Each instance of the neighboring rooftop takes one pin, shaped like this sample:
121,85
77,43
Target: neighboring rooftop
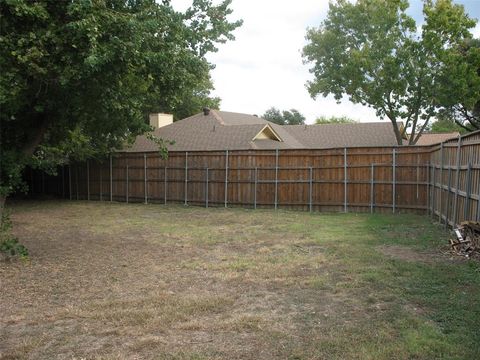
222,130
343,135
436,138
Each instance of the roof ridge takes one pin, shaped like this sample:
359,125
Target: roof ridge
256,124
217,116
352,124
439,132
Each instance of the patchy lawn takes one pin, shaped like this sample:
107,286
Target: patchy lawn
116,281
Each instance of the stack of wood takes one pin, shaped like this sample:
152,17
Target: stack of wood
467,242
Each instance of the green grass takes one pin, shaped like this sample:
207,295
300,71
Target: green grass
115,281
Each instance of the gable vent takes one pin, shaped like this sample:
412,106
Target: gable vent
267,133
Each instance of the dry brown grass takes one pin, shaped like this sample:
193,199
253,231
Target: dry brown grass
117,281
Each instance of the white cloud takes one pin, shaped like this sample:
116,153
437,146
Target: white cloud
263,66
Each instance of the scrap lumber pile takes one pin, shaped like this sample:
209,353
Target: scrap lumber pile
467,242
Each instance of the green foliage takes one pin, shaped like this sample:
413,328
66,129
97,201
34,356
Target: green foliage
460,91
286,117
370,51
274,115
161,143
446,125
9,245
11,166
334,120
79,78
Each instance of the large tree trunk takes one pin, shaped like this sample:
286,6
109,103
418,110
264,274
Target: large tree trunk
413,141
31,145
28,150
396,130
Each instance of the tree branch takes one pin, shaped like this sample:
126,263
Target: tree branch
420,132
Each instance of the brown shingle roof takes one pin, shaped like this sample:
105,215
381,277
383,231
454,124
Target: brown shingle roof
221,130
436,138
344,135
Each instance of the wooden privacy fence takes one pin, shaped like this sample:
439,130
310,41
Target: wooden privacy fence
349,179
455,174
442,180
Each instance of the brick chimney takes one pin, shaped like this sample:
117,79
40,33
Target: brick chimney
160,120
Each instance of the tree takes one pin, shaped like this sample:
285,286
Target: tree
371,52
334,120
285,117
460,92
79,78
445,125
274,115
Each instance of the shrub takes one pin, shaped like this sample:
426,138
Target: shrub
9,245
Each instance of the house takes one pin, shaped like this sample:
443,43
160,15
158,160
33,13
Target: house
436,138
222,130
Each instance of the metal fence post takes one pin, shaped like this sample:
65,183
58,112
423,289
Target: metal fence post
226,178
145,183
88,180
186,179
255,189
418,177
345,179
206,188
111,179
433,190
276,179
477,215
466,211
448,195
372,187
126,185
457,180
394,175
429,195
310,190
440,200
165,185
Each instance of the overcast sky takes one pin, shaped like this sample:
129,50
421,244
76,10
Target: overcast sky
263,66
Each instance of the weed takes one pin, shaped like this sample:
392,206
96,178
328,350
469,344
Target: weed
9,245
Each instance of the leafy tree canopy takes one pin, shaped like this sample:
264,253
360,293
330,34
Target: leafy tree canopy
371,52
334,120
445,125
460,93
80,77
285,117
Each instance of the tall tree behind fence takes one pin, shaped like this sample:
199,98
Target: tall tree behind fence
350,179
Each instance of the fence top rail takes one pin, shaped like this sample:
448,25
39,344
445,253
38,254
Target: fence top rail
272,168
401,149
